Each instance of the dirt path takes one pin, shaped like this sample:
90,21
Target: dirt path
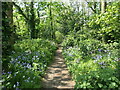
57,74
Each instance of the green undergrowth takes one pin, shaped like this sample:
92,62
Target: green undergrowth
93,64
59,37
28,63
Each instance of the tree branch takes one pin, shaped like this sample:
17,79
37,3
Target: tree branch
20,11
91,7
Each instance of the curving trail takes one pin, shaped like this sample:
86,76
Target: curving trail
57,74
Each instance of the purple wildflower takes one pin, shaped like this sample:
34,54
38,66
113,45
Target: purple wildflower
9,72
18,84
99,50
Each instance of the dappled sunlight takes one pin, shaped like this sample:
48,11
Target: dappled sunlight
57,74
71,44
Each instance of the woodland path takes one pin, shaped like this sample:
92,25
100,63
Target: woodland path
57,74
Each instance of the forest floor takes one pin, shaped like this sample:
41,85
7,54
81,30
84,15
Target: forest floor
57,75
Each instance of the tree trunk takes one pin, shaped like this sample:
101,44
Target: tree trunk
7,33
51,21
32,21
8,25
103,6
0,43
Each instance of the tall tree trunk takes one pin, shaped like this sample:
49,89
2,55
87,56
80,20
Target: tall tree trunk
103,6
0,43
51,21
7,23
7,32
28,16
32,21
38,10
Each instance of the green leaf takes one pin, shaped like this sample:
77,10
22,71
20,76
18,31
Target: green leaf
113,83
114,78
100,85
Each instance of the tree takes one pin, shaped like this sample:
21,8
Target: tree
51,19
103,6
29,18
95,6
8,32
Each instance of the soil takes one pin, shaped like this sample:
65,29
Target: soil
57,74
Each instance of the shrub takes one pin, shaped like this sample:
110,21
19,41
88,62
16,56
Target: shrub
28,63
106,26
93,64
59,37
